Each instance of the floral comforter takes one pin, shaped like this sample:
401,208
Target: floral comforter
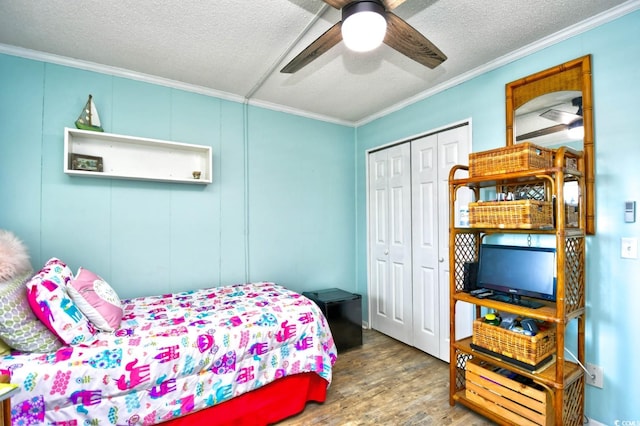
174,354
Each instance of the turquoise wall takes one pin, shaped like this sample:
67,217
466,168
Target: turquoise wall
613,293
280,206
301,183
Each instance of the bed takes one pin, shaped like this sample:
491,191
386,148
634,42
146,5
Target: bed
241,354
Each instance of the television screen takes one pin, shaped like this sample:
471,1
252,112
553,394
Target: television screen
518,271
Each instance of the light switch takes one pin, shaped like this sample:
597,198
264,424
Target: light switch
629,211
629,248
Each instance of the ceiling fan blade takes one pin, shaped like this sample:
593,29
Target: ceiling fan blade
560,116
326,41
338,4
392,4
542,132
407,40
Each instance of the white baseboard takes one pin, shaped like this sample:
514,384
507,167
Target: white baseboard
594,423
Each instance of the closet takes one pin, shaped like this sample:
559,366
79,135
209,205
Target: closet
408,228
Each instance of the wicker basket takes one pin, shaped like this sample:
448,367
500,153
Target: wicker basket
519,214
514,158
527,349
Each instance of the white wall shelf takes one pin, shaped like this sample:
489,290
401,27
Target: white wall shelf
129,157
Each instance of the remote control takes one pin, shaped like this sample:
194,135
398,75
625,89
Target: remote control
478,291
484,295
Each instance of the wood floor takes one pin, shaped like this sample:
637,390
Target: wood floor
386,382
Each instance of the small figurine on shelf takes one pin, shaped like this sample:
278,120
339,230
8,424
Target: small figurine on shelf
89,119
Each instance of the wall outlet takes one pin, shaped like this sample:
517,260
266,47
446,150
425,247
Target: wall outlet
598,373
629,248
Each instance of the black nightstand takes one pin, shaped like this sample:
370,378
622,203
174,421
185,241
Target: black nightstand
343,311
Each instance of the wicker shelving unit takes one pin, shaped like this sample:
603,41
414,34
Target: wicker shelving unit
563,381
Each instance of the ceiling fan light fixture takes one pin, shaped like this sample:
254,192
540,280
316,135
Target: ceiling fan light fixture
363,25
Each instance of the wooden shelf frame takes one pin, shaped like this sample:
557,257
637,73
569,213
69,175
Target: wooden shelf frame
564,379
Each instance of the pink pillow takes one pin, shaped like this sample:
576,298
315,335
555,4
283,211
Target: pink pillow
48,298
96,299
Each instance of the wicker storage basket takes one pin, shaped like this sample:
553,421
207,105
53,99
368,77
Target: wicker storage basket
514,158
519,214
528,349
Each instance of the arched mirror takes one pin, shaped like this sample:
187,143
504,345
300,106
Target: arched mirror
554,107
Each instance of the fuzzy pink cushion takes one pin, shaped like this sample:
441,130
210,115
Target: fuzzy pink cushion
96,299
14,257
47,295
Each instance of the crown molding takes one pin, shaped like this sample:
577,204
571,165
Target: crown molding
148,78
581,27
298,112
115,71
600,19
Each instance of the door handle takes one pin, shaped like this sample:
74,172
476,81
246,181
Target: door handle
441,260
386,252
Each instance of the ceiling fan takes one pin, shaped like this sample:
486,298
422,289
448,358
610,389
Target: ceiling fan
393,31
567,120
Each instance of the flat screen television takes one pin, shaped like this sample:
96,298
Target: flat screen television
515,271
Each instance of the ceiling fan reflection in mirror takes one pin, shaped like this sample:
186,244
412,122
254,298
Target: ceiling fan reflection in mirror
364,26
570,121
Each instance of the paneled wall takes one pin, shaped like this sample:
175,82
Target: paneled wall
280,207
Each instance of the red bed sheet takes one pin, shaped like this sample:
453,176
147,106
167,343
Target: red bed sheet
264,406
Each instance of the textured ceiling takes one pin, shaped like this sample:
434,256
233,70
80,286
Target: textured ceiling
235,48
